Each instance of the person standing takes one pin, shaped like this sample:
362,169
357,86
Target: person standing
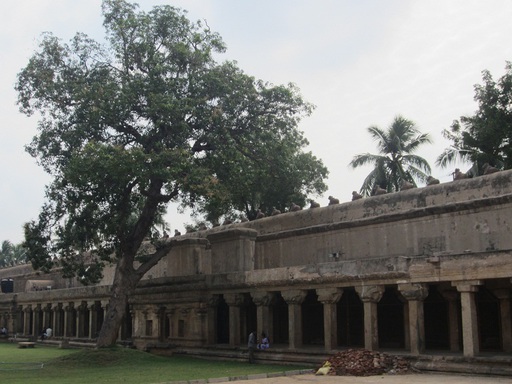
251,345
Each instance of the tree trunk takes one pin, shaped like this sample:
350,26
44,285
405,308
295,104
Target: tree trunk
125,282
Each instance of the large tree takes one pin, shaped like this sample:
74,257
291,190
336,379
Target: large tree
486,136
130,125
395,162
274,175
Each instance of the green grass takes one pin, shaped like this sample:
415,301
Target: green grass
116,365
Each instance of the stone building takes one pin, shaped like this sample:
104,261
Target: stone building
420,272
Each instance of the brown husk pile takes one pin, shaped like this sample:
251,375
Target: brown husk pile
361,362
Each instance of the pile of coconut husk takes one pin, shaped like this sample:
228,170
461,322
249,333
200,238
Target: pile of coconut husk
361,362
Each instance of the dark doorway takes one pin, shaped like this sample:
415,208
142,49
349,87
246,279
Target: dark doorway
350,319
248,316
222,321
126,326
280,320
437,329
312,320
390,314
489,320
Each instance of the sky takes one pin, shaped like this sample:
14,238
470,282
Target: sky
360,62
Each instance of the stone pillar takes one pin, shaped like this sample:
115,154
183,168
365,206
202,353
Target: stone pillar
199,326
453,318
57,325
80,319
370,295
68,319
93,319
329,297
506,325
234,301
211,319
467,291
173,322
27,313
47,316
37,316
415,294
161,316
294,299
264,301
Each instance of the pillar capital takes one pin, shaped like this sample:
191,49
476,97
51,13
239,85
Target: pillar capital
371,293
413,291
294,296
234,299
467,286
329,295
212,301
263,297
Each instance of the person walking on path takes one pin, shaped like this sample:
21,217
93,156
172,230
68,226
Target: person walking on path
251,345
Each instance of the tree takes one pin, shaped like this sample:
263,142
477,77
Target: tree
395,163
127,127
12,254
275,175
485,137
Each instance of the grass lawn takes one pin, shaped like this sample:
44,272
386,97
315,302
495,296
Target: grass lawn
116,365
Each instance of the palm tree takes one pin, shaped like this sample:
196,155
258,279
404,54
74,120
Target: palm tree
12,254
6,252
395,163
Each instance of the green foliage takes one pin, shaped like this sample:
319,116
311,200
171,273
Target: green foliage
12,254
146,118
395,162
486,136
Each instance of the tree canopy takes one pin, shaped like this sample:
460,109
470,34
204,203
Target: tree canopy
274,175
486,136
143,119
395,162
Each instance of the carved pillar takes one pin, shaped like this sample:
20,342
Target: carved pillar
47,316
264,301
27,313
506,325
68,320
104,304
160,323
467,291
370,295
37,317
80,319
294,299
329,297
20,320
234,301
173,322
415,294
57,326
93,319
199,329
211,319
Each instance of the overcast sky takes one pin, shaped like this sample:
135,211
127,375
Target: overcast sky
361,62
